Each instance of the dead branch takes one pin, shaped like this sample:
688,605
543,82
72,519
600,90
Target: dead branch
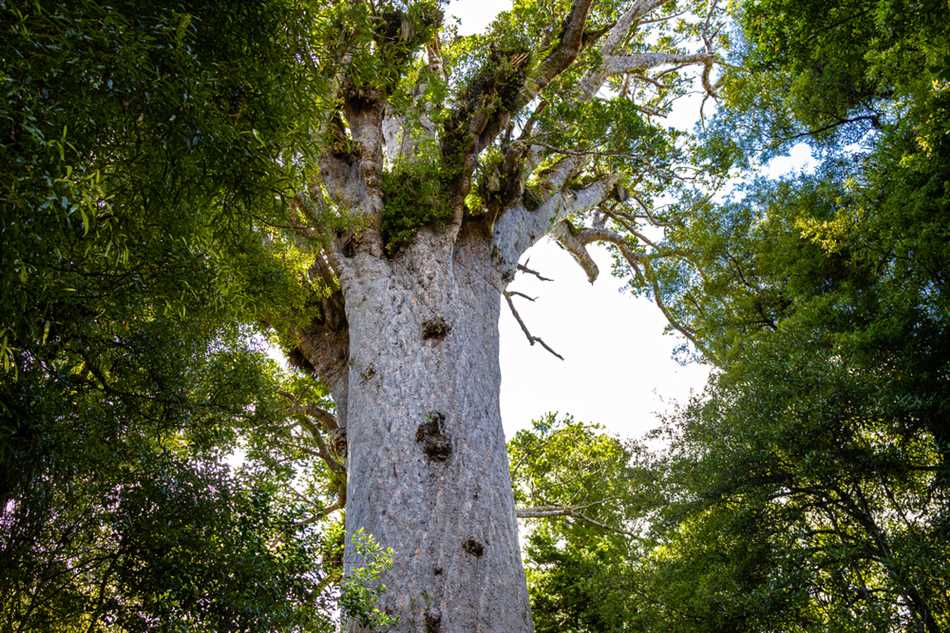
524,268
515,293
532,339
572,512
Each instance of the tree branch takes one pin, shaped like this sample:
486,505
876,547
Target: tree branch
515,293
563,232
619,64
486,108
538,512
399,141
524,268
594,79
569,45
532,339
518,228
323,513
573,512
643,270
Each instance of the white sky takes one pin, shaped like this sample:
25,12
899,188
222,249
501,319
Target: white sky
618,369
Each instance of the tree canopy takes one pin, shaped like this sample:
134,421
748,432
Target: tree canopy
140,146
806,489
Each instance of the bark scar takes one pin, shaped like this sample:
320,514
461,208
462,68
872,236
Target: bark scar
473,547
433,621
431,434
436,328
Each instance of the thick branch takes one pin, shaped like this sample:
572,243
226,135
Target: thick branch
490,103
618,64
339,167
627,21
563,232
364,114
518,228
594,79
569,45
399,140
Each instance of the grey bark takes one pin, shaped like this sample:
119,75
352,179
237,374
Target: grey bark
428,469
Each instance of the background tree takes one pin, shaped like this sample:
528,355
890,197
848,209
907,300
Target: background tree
807,489
139,147
588,500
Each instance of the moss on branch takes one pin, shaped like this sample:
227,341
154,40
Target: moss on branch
413,197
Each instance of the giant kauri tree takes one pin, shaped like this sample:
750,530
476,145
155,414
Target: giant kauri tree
443,160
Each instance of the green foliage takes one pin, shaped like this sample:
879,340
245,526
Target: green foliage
379,40
144,148
846,496
361,590
806,490
413,197
580,566
823,300
837,70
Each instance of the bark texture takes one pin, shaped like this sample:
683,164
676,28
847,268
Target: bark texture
428,469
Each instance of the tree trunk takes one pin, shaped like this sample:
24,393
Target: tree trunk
427,465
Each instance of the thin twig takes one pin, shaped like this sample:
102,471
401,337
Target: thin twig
524,268
515,293
532,339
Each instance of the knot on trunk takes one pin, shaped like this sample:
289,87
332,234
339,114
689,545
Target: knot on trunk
368,373
473,547
433,621
436,328
431,434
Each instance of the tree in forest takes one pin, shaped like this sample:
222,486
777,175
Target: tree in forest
357,182
138,158
592,500
443,159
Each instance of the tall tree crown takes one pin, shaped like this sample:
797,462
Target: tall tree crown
552,122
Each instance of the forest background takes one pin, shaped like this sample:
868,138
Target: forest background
804,490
